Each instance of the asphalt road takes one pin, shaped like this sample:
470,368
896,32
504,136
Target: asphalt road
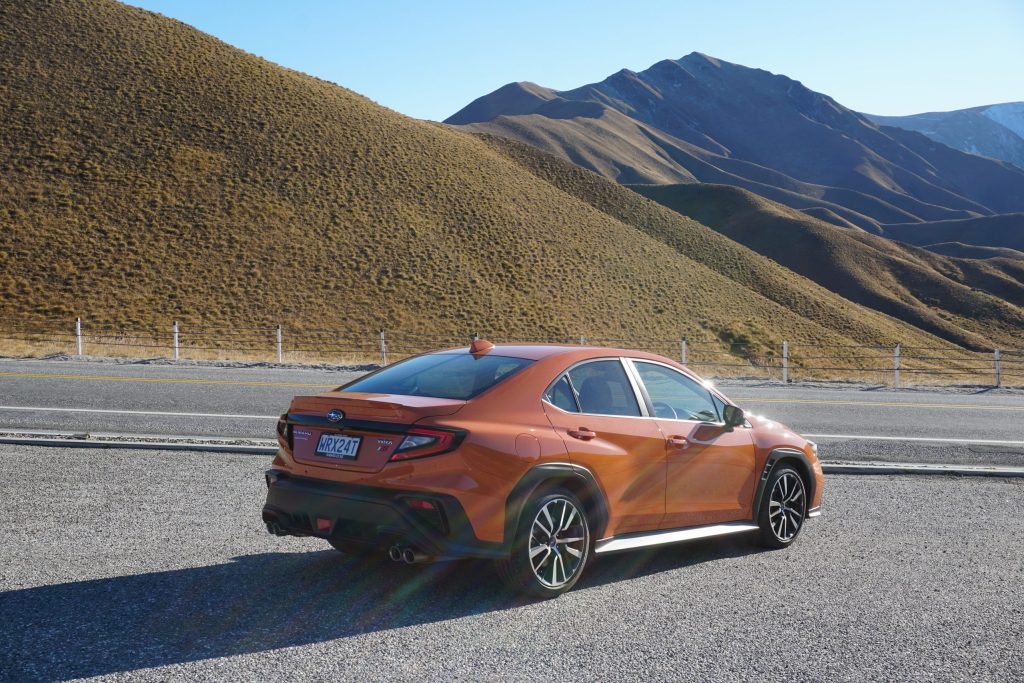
850,423
155,565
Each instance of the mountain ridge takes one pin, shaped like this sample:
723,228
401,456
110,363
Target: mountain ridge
992,130
705,119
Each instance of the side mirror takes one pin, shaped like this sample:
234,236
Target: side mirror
734,416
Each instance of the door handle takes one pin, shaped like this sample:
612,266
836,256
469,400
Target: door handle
583,434
678,442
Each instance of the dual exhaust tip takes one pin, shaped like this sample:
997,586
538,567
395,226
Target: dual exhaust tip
397,553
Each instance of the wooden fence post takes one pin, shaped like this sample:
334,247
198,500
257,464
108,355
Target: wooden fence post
785,362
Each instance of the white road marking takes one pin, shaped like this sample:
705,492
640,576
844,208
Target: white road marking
138,412
870,437
858,437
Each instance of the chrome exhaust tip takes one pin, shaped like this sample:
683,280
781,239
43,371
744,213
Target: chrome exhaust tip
410,556
395,553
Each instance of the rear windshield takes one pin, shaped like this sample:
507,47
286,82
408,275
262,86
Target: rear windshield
455,376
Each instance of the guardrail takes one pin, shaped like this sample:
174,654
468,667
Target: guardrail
786,361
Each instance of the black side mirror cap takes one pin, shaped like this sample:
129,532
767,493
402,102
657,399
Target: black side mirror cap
734,417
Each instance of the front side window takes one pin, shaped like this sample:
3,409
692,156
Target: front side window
440,375
603,389
674,396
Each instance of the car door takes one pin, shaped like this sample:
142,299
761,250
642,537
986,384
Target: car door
595,408
710,469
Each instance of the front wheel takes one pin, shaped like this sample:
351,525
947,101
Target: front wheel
783,509
551,546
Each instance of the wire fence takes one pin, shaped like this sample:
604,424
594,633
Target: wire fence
786,361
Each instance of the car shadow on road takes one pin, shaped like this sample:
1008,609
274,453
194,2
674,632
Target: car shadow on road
265,601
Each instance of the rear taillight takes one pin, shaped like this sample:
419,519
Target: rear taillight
419,442
284,431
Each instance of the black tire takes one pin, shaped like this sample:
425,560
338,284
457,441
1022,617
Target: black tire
567,548
783,508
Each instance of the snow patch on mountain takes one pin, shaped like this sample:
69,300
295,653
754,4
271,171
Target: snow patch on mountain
1009,115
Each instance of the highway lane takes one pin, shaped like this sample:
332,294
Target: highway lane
205,398
935,414
155,566
914,425
909,425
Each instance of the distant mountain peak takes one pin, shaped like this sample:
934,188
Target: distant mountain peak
1010,115
521,97
700,117
995,131
700,58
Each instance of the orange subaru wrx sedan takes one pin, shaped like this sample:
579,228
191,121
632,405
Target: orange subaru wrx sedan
536,456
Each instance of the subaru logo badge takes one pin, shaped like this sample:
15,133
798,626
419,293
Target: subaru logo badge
335,416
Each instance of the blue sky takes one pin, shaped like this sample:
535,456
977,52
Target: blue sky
429,59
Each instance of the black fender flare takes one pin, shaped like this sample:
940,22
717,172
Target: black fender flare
581,480
777,454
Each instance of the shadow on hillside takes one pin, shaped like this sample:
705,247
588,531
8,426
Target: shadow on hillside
262,602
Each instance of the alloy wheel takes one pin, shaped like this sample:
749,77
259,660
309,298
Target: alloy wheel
558,543
786,506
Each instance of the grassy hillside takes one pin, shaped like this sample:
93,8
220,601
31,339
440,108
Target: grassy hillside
149,172
961,250
627,151
987,231
944,296
963,301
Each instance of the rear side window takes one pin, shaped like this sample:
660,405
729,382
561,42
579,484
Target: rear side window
560,395
441,375
604,389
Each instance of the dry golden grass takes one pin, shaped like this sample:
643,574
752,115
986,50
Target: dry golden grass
970,303
143,347
149,172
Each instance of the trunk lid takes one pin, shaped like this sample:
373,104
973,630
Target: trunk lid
378,421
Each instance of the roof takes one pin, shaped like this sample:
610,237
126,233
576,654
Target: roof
541,351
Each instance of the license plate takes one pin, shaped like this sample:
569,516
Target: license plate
338,446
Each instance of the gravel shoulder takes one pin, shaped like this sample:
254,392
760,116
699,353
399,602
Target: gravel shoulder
155,565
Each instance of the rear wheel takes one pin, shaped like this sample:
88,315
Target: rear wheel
783,508
551,546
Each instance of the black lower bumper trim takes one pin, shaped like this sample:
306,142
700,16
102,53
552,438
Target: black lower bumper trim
372,516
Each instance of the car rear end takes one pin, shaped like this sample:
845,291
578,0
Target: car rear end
387,471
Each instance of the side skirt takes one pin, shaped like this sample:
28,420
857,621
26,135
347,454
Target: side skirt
651,538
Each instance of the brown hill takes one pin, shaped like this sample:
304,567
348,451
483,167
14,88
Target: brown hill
706,119
960,300
963,301
149,171
961,250
1006,230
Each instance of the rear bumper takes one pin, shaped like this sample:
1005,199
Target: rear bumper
371,516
